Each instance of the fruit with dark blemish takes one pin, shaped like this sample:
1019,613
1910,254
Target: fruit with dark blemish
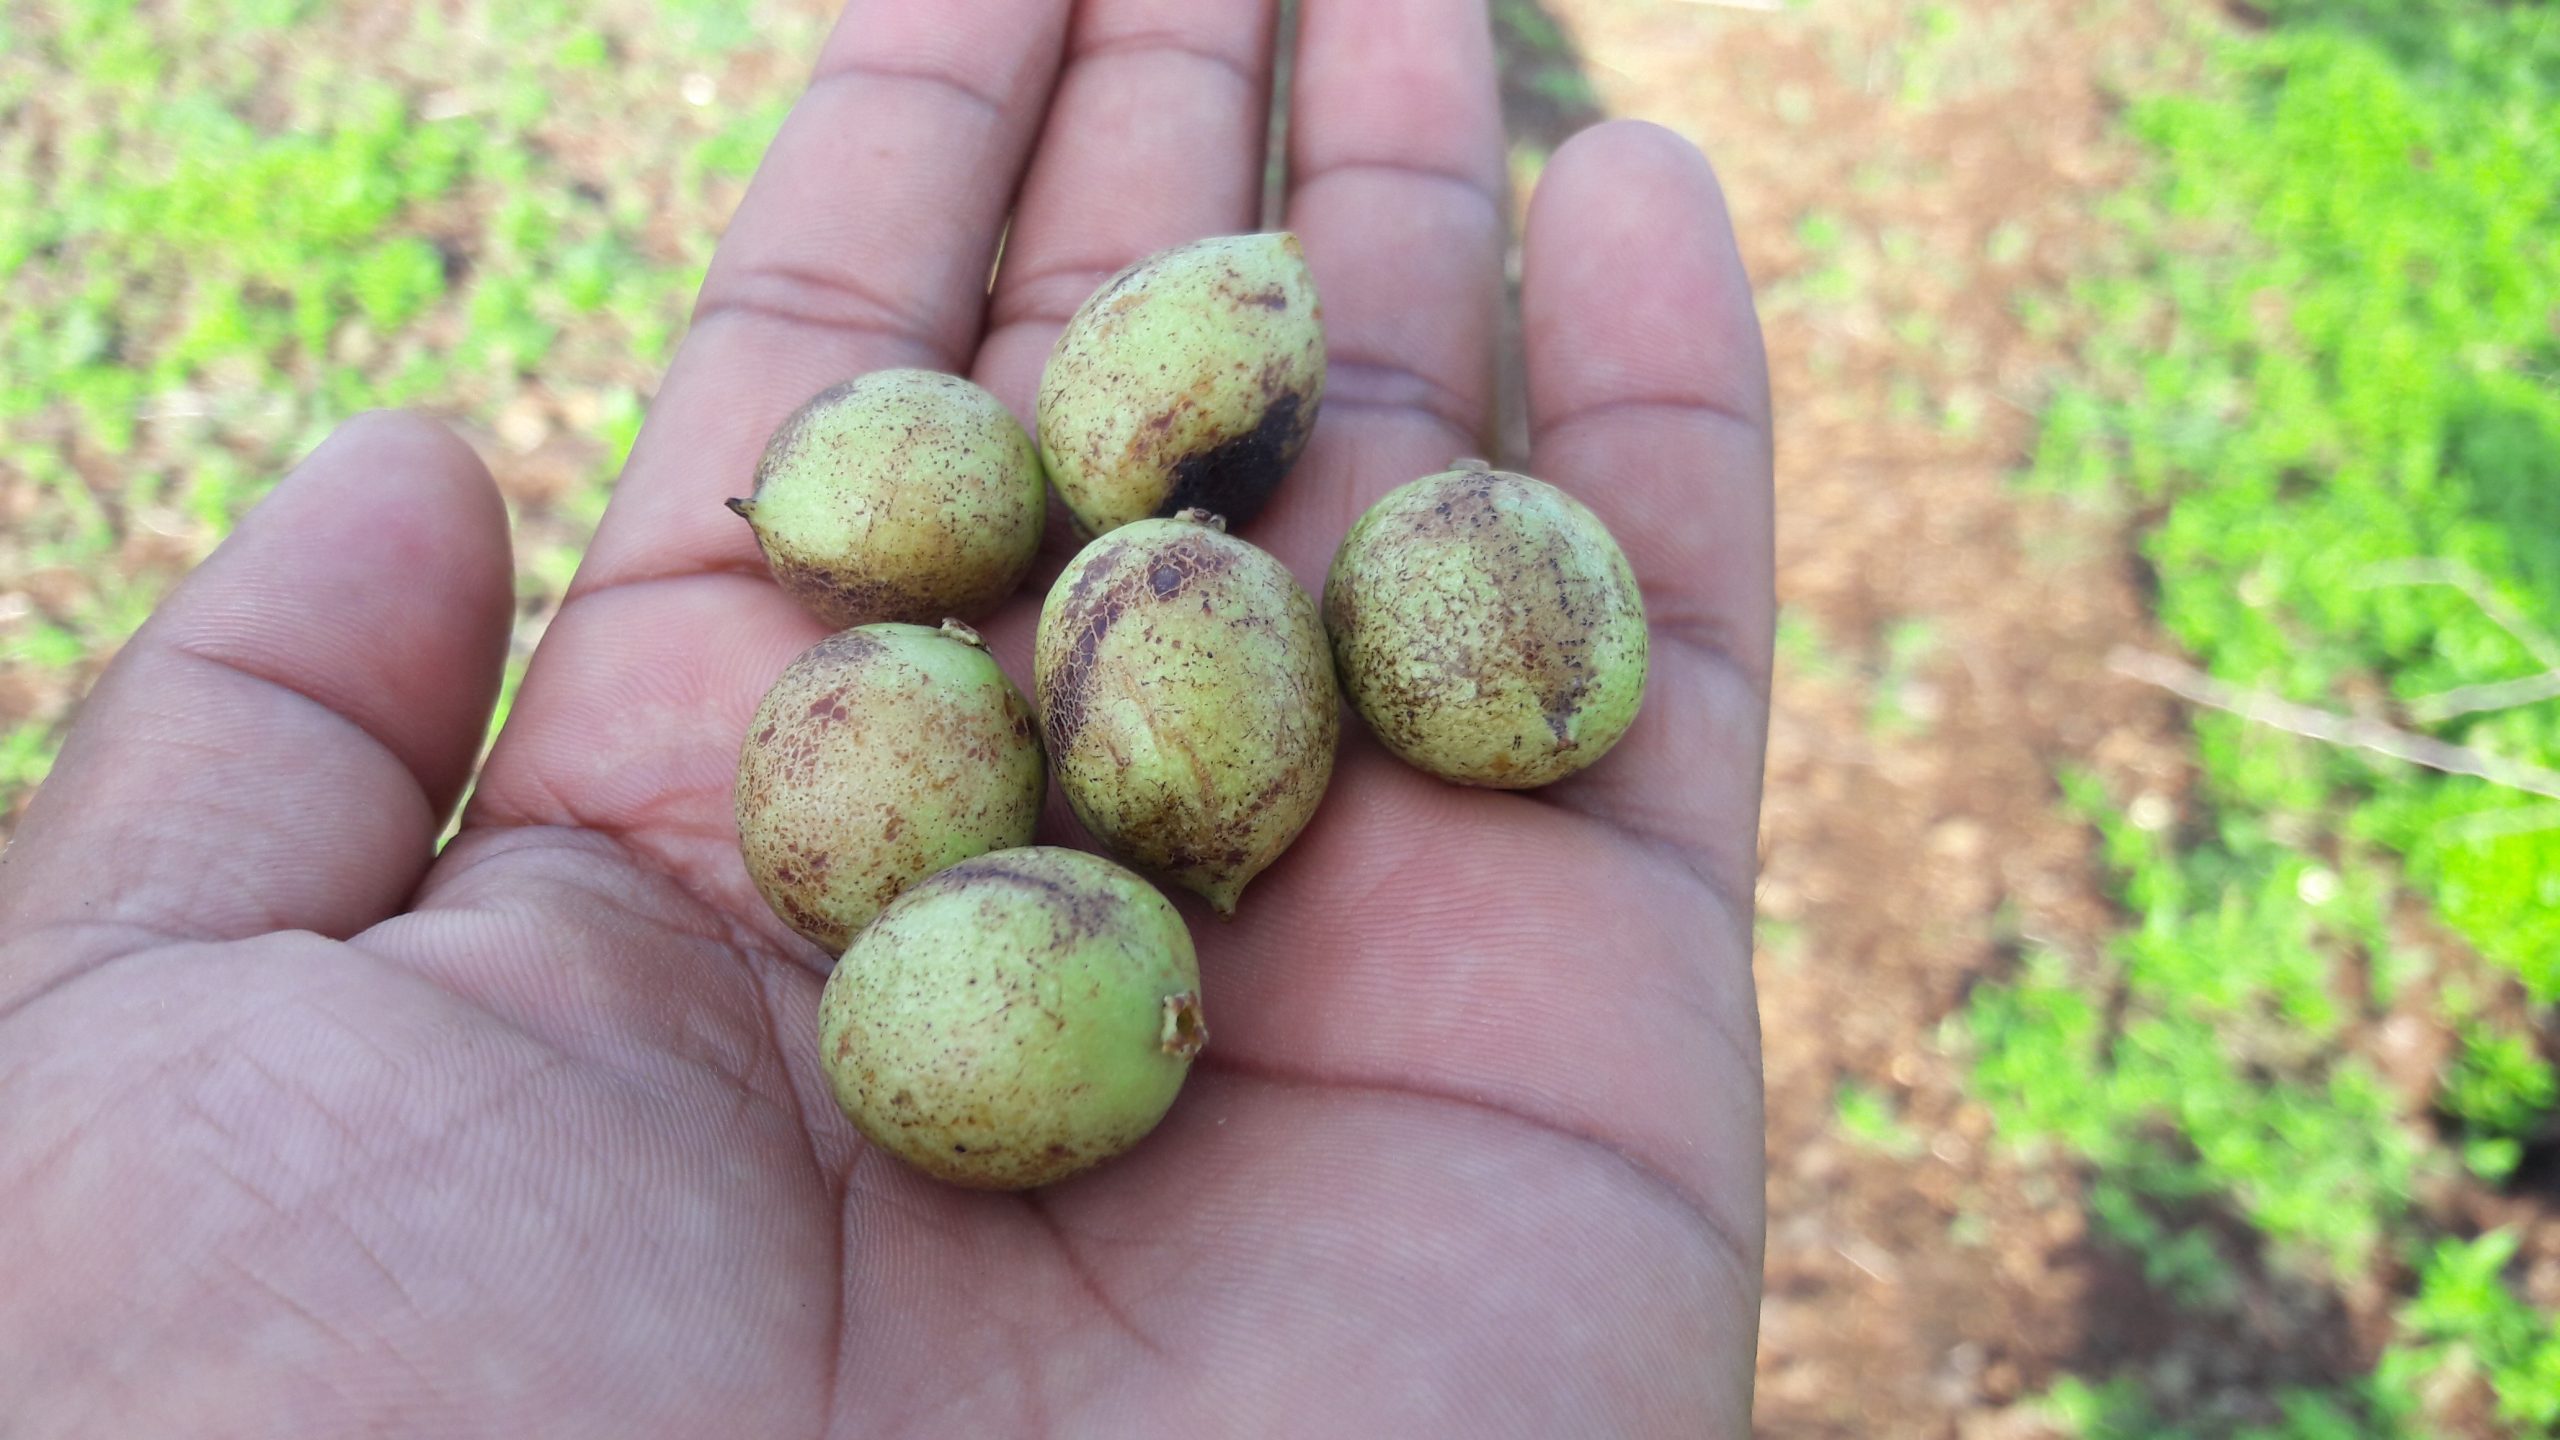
1487,628
1189,380
902,495
1188,701
1014,1018
881,755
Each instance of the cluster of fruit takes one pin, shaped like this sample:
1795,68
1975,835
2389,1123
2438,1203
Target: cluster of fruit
1003,1015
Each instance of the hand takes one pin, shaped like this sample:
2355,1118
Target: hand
308,1129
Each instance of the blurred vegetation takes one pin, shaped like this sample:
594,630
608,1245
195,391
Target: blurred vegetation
224,227
2325,380
2216,1028
2368,378
1872,1119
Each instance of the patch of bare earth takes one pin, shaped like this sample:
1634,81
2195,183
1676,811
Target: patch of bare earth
1916,183
1900,184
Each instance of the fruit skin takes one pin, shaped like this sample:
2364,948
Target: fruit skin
1188,701
881,755
1189,380
1014,1019
901,495
1488,628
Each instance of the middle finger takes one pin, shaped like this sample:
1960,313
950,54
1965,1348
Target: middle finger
1156,138
1395,148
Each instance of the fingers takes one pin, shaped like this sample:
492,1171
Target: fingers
1156,138
1396,178
279,746
864,243
1649,400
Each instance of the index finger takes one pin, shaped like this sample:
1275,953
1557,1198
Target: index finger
864,242
1395,186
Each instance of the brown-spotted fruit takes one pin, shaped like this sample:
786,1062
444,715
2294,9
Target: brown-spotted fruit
1190,379
1014,1018
881,755
1487,628
1188,701
902,495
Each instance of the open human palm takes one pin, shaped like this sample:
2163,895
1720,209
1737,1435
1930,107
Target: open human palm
309,1129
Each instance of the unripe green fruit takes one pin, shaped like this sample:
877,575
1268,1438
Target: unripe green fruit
1014,1019
881,755
1190,379
903,495
1188,701
1488,628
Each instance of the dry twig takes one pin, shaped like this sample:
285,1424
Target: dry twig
2193,685
2467,580
2495,694
2499,824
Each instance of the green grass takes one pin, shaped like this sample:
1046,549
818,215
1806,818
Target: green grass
2326,367
1903,703
1870,1118
225,228
2499,1087
2121,1410
2464,1328
2342,360
2467,1322
2205,1056
2465,1331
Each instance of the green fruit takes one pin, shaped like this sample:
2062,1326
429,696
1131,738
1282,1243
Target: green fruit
1014,1019
881,755
1190,379
1487,628
1188,701
902,495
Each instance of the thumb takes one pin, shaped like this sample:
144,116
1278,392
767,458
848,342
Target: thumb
278,747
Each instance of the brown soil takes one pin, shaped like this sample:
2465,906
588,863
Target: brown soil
1945,656
1912,181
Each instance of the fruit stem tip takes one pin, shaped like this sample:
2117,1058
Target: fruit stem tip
1185,1032
745,509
